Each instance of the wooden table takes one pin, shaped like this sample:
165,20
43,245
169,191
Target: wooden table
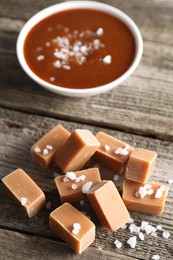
140,112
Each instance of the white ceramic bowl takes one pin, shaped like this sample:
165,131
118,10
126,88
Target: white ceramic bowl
74,5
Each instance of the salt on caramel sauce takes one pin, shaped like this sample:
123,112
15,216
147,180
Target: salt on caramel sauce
79,48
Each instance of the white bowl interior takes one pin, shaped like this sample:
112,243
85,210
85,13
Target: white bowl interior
78,5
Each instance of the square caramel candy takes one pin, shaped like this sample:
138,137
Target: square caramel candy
74,185
25,191
148,198
112,152
108,205
140,165
44,149
73,227
76,151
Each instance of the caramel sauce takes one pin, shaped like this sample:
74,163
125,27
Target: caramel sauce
79,48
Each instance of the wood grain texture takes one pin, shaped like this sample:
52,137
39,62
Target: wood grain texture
18,131
143,104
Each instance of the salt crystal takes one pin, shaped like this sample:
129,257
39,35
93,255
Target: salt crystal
131,220
155,257
163,188
118,151
66,67
83,48
132,241
82,202
57,64
166,234
144,224
127,146
154,234
49,147
159,227
86,187
147,186
82,177
37,149
134,228
170,181
142,192
124,227
74,186
23,201
117,243
107,59
77,226
107,147
45,151
158,194
150,229
75,231
40,57
124,152
76,48
116,177
52,79
100,31
141,236
71,175
150,192
96,43
48,205
65,179
99,248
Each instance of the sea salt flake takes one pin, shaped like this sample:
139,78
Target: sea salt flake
65,179
86,187
107,59
131,220
132,241
141,236
134,228
150,229
166,234
66,67
144,224
57,64
74,186
49,147
77,226
124,227
118,151
45,151
154,234
71,175
158,194
127,146
163,188
159,227
116,177
82,177
147,186
40,57
82,202
117,243
155,257
107,147
142,192
100,31
122,151
23,201
75,231
37,149
48,205
150,192
52,79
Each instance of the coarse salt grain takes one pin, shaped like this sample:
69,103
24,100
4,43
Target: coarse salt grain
107,59
132,241
75,231
142,192
82,202
117,243
71,175
141,236
52,79
49,147
76,226
124,227
147,186
166,234
116,177
131,220
121,151
134,228
144,224
163,188
158,194
23,201
66,67
155,257
86,187
65,179
48,205
159,227
154,234
127,146
150,229
57,64
80,178
40,57
45,151
150,192
100,31
37,149
107,147
74,186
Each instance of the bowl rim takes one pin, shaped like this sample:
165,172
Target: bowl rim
79,5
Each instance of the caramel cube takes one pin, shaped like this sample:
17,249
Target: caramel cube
140,165
147,198
76,151
73,227
25,191
44,149
112,152
72,187
108,205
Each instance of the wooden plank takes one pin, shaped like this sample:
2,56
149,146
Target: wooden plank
18,131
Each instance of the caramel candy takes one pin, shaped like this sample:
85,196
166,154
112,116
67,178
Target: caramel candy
108,205
140,165
44,149
73,227
25,191
76,151
149,198
72,186
112,152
